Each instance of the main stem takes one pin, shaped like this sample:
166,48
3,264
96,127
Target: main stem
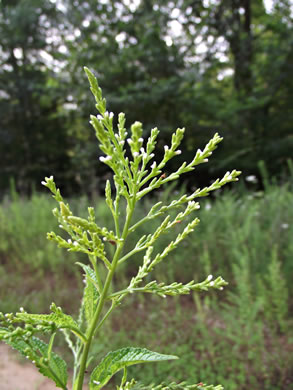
102,300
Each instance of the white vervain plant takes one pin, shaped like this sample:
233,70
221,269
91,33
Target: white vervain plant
133,179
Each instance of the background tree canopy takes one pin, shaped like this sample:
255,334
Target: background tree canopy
201,64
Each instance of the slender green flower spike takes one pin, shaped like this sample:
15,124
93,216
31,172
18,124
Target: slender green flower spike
133,178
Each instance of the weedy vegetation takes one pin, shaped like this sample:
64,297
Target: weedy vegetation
134,177
241,337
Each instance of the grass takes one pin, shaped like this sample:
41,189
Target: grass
242,341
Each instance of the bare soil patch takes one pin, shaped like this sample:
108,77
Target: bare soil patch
18,375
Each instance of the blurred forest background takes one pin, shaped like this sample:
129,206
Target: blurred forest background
205,65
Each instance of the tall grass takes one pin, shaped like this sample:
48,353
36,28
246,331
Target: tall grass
245,342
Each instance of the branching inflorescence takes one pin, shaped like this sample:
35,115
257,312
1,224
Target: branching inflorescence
134,177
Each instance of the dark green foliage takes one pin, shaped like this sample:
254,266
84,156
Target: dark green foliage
32,121
149,71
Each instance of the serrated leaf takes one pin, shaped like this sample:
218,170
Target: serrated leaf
90,273
171,386
58,318
91,293
122,358
36,350
57,365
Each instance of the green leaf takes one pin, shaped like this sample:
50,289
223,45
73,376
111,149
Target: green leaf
170,386
58,318
122,358
91,294
36,350
61,321
3,332
90,273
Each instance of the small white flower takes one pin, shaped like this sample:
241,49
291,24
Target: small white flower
140,140
135,154
100,117
142,150
116,136
104,159
122,142
61,226
166,148
129,140
33,362
111,115
251,179
69,241
284,225
221,288
96,382
205,160
104,239
21,309
212,283
229,177
75,243
208,206
154,164
44,183
178,152
152,155
210,277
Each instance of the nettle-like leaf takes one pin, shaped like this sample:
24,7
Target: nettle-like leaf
57,318
48,363
121,359
91,292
